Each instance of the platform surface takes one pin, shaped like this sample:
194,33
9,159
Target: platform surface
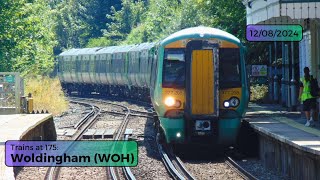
288,127
14,127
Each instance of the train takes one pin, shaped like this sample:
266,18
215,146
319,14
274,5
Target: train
196,80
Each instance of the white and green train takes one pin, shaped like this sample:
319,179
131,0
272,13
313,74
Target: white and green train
195,78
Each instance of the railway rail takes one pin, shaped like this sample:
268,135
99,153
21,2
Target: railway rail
87,121
173,163
53,172
242,172
178,171
115,172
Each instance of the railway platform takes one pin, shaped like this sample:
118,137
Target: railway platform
23,127
285,144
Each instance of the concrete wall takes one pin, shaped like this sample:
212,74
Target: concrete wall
44,131
288,160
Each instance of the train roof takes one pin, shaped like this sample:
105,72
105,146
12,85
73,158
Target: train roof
124,48
69,52
200,32
88,51
142,46
107,50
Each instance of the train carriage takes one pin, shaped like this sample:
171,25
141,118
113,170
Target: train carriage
144,63
196,78
103,65
119,64
134,66
151,58
68,66
86,60
139,65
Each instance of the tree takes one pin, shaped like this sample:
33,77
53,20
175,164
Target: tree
78,21
152,21
124,20
72,27
27,37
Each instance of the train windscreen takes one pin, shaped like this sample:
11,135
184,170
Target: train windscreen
174,68
229,68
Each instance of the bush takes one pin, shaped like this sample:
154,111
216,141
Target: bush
259,93
47,94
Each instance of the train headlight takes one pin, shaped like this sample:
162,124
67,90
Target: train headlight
226,104
234,102
178,135
171,102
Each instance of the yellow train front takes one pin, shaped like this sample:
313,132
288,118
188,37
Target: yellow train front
200,90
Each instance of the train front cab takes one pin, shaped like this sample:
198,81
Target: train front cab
203,90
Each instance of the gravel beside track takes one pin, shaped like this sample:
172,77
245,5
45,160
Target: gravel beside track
72,116
107,121
104,121
255,167
211,170
150,165
31,173
71,173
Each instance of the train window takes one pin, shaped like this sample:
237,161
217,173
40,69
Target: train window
61,64
174,68
229,68
154,71
83,64
78,64
91,65
97,64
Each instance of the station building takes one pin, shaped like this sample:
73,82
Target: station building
294,55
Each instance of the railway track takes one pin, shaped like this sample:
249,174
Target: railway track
235,166
172,163
115,172
53,172
86,122
178,171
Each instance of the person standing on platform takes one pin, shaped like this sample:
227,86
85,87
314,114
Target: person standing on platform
309,102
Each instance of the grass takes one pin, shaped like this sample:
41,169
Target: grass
259,93
47,94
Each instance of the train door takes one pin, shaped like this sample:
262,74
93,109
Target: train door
202,87
201,82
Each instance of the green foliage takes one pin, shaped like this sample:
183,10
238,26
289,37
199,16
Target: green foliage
26,38
32,31
139,22
229,15
72,28
259,93
99,42
124,20
80,20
